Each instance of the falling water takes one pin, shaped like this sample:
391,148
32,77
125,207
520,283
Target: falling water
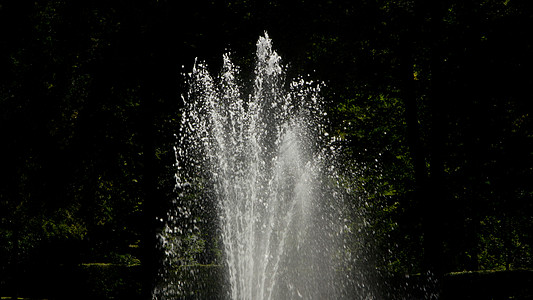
259,161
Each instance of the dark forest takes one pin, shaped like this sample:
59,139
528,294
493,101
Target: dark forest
435,97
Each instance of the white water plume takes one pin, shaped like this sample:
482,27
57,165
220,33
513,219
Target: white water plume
261,162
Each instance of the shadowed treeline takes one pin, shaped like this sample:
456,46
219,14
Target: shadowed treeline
431,99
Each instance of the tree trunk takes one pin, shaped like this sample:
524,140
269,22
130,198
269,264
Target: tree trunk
150,76
435,211
158,86
408,94
149,254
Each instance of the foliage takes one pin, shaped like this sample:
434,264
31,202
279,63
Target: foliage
431,100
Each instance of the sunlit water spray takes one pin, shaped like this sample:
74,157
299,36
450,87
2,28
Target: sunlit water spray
262,163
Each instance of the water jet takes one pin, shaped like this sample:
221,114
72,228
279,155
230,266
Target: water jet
256,165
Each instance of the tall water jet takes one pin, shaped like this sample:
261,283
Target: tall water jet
258,162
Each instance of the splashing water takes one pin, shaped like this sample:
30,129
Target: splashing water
261,164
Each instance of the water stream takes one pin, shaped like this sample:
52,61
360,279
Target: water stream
257,160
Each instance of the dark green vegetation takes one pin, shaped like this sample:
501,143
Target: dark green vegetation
434,97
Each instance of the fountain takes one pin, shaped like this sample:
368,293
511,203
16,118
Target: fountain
256,168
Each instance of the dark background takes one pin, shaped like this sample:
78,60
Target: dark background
434,97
